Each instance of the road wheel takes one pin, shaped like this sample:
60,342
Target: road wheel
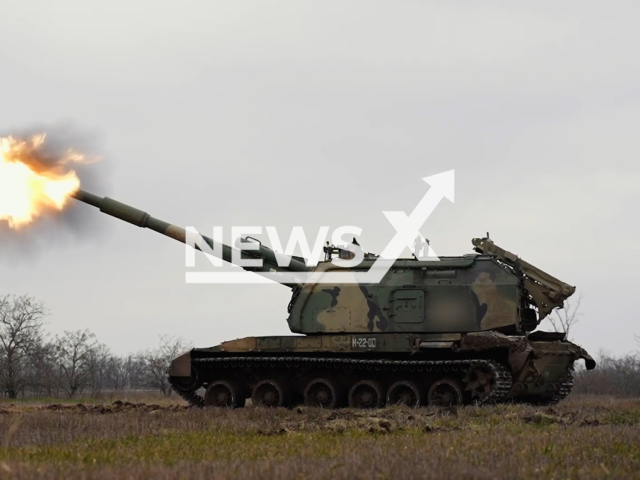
406,393
366,394
323,393
223,393
270,393
445,393
480,382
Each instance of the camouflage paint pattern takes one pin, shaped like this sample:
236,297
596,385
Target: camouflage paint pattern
448,296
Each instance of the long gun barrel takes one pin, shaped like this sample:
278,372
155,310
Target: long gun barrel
143,220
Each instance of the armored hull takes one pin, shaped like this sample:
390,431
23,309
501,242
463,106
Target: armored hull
372,370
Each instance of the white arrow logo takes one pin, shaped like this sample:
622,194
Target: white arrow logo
407,235
408,227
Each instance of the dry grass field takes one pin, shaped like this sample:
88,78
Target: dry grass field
583,437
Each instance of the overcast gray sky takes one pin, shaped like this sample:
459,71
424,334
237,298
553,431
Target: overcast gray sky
327,113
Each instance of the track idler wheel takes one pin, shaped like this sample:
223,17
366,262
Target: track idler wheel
405,393
223,393
323,393
186,384
366,394
271,393
445,393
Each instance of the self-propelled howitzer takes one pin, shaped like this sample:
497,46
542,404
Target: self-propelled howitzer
453,331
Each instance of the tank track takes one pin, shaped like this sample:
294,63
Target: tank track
565,389
501,374
191,397
563,392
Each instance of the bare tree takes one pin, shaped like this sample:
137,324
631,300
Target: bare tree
567,317
133,376
98,361
116,372
21,320
77,353
154,363
44,374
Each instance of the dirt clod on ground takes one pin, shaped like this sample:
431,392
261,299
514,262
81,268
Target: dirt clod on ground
116,407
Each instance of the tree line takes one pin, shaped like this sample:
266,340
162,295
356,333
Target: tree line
618,376
74,363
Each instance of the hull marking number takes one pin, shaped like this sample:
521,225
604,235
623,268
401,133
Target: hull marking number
363,342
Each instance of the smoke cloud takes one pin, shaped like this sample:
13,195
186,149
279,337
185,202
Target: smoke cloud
58,229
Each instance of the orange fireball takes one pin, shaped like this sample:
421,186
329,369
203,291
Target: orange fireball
30,186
